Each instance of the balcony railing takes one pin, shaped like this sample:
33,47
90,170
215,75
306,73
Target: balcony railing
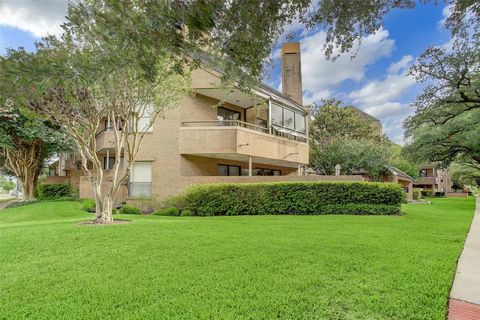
277,131
224,123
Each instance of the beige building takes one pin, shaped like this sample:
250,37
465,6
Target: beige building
374,122
433,179
215,135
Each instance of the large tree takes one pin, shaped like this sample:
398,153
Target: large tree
339,135
82,86
26,139
446,125
238,35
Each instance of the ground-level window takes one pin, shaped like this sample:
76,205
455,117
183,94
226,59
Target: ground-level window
267,172
228,170
141,179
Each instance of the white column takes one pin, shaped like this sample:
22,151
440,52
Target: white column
249,166
299,169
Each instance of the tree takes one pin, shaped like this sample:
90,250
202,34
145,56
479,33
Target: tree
7,186
446,125
359,156
339,135
81,87
402,162
225,29
26,140
333,121
465,174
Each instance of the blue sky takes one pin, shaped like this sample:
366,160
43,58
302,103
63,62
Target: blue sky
375,80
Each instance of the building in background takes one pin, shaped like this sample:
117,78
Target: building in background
374,122
434,180
217,134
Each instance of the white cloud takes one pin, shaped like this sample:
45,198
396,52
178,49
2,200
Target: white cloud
381,91
401,65
316,96
388,109
321,74
381,98
37,17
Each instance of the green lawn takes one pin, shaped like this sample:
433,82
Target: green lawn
246,267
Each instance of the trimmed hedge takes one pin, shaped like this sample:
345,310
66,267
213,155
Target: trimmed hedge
54,191
296,198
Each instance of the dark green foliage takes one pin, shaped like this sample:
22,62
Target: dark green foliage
439,194
54,191
88,205
170,211
297,198
129,210
427,193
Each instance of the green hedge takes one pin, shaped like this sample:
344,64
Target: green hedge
297,198
54,191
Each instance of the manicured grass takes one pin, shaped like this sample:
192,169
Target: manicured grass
245,267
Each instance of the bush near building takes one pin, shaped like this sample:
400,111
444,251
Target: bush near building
291,198
54,191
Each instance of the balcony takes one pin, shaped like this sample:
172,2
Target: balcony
105,140
239,140
426,180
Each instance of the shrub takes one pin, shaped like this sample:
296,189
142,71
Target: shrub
417,194
291,198
146,205
427,193
439,194
88,205
129,210
186,213
170,211
54,191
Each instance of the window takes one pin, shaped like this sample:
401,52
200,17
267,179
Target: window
144,124
277,115
267,172
423,173
141,179
228,170
108,125
289,119
108,162
227,114
300,123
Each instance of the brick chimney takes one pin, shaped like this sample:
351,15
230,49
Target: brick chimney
292,72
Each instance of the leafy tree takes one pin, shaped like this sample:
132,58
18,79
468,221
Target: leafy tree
7,186
465,174
26,140
446,125
402,162
353,156
341,136
238,35
82,86
332,121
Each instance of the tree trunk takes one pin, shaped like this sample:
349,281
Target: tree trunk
103,206
28,186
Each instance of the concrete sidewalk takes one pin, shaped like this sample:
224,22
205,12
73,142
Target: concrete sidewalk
465,294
